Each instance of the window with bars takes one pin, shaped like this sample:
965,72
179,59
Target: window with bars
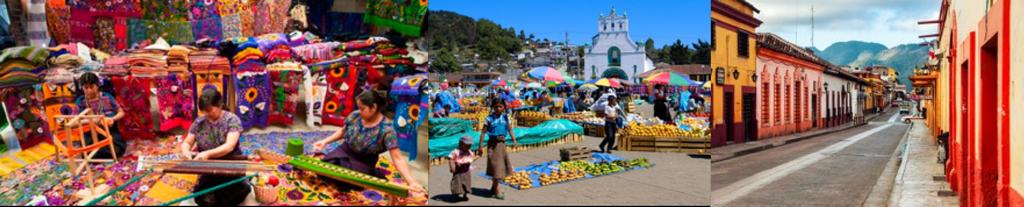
778,104
743,44
765,96
789,104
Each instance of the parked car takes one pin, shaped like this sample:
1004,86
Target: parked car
905,108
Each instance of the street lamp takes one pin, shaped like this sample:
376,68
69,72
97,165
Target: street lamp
735,74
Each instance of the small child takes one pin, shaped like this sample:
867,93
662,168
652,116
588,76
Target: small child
459,165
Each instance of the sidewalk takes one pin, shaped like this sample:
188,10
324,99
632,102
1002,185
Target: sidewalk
920,179
736,150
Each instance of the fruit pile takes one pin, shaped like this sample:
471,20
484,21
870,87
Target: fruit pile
604,168
520,180
477,117
661,130
576,116
698,127
533,116
574,165
561,176
629,164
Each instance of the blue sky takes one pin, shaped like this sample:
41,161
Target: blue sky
663,20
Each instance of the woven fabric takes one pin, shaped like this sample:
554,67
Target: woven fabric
253,98
340,97
286,79
137,121
174,99
23,111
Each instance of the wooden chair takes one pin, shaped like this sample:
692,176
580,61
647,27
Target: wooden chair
70,141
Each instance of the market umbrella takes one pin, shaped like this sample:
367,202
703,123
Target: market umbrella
588,87
707,84
545,73
499,83
668,78
607,83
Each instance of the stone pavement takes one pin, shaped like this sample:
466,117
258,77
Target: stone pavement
735,150
676,179
920,179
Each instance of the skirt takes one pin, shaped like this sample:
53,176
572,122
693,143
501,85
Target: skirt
498,165
462,183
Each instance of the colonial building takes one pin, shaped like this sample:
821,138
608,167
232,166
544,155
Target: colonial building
979,97
799,91
613,52
733,62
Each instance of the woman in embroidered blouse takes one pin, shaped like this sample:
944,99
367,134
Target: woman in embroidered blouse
102,104
213,136
367,133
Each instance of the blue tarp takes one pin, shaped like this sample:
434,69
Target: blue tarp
446,98
446,141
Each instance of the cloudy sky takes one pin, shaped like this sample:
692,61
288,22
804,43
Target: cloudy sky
889,22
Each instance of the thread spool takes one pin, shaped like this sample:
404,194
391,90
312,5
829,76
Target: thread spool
294,147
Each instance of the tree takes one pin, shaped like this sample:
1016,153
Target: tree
702,52
649,48
445,62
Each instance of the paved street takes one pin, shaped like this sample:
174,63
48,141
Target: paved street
675,179
837,169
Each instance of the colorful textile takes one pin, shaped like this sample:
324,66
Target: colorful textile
211,134
175,32
270,41
36,55
207,28
406,17
286,78
174,98
169,187
409,113
231,26
137,121
25,115
215,80
315,84
19,187
36,26
316,52
275,141
165,10
58,99
58,15
268,16
300,187
340,97
253,96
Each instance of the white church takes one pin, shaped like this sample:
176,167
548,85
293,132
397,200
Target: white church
612,49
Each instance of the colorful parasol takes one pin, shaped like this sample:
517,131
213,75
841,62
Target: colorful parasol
545,73
588,87
668,78
607,83
534,85
499,82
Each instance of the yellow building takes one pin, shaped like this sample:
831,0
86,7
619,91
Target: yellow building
733,62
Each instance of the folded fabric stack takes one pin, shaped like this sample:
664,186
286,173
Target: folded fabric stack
268,42
207,60
115,66
178,58
280,53
362,47
147,63
316,52
22,65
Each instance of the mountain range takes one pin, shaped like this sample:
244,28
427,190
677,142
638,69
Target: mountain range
904,58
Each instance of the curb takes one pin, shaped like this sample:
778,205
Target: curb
790,141
883,190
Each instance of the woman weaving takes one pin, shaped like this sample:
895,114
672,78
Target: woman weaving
215,136
367,133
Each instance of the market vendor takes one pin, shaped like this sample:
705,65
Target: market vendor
497,127
214,136
104,104
366,134
613,114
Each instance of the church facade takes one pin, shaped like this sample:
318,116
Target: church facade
613,53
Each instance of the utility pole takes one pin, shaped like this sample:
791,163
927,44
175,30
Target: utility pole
812,25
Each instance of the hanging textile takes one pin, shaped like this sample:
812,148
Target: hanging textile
174,98
410,102
269,15
315,84
231,26
316,52
36,26
133,97
286,78
165,10
406,17
207,28
58,15
175,32
23,111
58,99
341,88
253,95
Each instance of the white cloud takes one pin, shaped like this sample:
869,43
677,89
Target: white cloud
890,22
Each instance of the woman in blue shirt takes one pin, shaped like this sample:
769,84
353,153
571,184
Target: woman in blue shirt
497,127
